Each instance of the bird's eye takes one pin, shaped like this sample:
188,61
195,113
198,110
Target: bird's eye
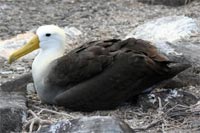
48,34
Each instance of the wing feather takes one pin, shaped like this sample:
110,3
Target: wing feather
93,58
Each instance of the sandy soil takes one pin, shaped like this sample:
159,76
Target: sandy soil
97,20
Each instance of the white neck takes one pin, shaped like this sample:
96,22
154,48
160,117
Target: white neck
42,61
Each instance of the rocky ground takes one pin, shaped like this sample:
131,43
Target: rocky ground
96,20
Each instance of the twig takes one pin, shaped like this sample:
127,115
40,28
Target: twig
163,128
176,106
148,126
54,112
35,120
160,109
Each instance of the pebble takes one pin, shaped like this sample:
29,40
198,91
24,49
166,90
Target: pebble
72,31
6,72
20,68
30,88
4,76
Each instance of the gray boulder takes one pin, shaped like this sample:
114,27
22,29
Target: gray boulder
13,104
94,124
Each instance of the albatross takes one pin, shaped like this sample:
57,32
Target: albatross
98,75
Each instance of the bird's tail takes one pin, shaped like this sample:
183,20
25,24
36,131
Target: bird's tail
176,68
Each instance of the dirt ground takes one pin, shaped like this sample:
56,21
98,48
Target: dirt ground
97,19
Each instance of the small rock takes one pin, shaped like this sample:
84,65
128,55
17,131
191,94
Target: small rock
72,32
30,88
4,7
72,36
16,84
6,72
20,68
9,46
4,76
94,124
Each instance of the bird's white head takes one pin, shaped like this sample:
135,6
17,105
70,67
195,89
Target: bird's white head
48,38
51,36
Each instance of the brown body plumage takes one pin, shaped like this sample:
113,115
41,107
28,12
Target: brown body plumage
98,75
104,74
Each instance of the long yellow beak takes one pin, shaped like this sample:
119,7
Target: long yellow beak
32,45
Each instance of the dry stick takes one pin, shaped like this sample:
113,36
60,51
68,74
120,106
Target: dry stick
178,126
149,126
163,128
188,110
196,106
54,112
140,113
183,107
35,120
39,128
160,113
172,126
160,109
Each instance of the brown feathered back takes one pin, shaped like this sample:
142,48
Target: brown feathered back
103,74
